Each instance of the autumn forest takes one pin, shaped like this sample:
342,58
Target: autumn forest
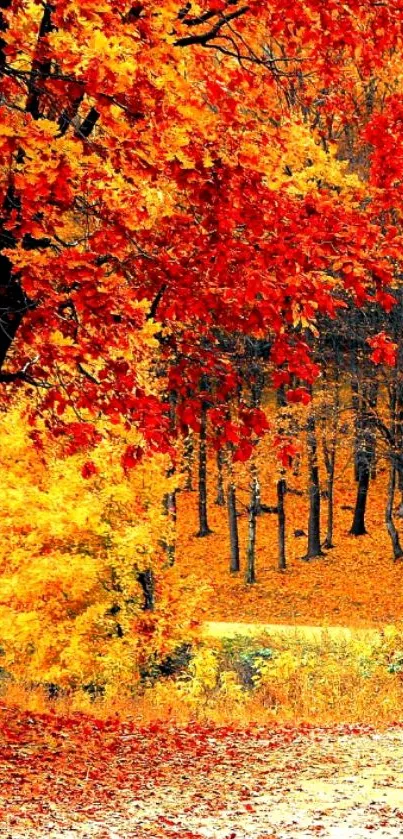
201,419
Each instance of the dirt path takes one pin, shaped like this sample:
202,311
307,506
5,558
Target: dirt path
223,629
342,788
81,781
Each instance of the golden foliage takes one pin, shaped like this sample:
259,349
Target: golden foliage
71,550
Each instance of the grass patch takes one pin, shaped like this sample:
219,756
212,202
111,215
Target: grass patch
266,678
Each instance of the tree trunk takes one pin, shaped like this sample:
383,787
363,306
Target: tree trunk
314,547
363,466
233,528
398,411
250,576
400,488
296,465
220,498
355,394
281,491
204,529
364,458
146,580
399,470
328,543
281,397
390,525
169,503
189,452
255,475
14,303
329,455
170,512
372,402
355,404
358,527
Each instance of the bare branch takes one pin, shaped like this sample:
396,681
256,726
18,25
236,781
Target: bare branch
204,38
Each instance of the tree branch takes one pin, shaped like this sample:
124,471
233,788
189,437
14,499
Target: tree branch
154,304
89,123
23,376
204,38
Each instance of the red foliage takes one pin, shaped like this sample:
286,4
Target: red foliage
384,350
89,469
67,767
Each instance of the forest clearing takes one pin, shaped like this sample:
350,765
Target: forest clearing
201,419
356,583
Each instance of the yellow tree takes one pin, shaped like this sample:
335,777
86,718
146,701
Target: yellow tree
86,593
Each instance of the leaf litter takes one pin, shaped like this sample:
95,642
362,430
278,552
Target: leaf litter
76,777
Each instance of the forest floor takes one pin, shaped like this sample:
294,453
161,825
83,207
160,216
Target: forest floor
356,584
77,777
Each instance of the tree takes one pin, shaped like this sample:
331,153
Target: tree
209,178
131,213
80,555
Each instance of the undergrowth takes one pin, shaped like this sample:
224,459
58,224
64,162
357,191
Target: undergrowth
242,680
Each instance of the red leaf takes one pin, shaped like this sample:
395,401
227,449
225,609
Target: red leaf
132,457
89,469
299,394
387,301
384,350
243,452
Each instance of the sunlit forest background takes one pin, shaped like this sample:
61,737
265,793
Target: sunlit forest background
201,393
201,348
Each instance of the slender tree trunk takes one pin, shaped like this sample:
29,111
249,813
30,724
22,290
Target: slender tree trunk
364,458
314,547
373,469
372,402
296,465
363,467
399,432
399,466
281,491
397,410
358,526
256,399
250,576
328,543
233,528
204,529
364,452
281,397
390,525
255,474
14,303
146,580
329,453
220,498
189,454
396,434
169,503
355,393
171,513
355,404
400,487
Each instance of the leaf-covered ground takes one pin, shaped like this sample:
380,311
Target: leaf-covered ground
78,777
341,587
